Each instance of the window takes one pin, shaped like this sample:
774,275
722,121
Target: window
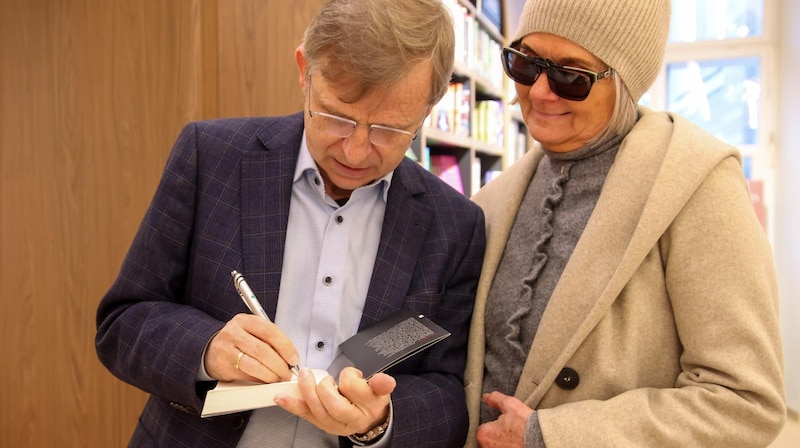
705,20
719,73
720,95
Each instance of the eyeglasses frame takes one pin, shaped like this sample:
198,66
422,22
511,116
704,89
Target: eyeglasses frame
355,124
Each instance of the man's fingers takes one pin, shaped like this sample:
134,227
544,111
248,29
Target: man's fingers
382,384
259,340
276,338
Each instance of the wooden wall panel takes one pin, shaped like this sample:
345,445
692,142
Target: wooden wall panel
92,96
93,92
257,39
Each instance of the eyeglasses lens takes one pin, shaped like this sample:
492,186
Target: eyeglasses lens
389,138
378,135
333,125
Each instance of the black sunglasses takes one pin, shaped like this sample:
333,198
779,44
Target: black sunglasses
570,83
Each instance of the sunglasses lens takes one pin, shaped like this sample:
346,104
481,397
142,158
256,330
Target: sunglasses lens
569,85
520,69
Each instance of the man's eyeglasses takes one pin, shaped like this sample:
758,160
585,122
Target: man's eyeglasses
570,83
379,135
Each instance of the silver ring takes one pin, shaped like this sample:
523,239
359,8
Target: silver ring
238,358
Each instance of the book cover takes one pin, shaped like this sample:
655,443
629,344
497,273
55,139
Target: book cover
394,339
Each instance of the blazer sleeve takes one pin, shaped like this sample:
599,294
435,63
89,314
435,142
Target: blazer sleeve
147,333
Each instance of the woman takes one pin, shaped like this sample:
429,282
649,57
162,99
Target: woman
628,294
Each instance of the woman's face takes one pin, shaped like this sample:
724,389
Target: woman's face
562,125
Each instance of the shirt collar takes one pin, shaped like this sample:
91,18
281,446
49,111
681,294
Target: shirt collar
308,168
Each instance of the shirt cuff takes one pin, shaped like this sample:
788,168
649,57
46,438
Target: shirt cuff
202,375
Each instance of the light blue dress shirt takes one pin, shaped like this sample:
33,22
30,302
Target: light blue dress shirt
327,265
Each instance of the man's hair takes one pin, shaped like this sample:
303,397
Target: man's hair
371,43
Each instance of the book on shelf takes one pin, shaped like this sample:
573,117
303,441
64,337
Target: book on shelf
489,126
445,167
452,112
444,112
461,108
491,175
477,165
375,349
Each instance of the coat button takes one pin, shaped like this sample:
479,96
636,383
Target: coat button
568,379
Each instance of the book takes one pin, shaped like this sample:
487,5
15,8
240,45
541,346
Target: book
445,166
389,342
237,396
375,349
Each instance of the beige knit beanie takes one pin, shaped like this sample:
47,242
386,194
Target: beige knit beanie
628,35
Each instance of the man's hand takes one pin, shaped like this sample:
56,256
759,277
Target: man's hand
508,431
355,406
266,352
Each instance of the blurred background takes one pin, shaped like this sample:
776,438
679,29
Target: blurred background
94,92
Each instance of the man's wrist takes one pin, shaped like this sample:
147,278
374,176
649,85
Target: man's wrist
374,434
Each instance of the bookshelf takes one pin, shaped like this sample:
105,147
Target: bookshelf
473,133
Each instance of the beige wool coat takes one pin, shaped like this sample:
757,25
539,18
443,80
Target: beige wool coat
667,311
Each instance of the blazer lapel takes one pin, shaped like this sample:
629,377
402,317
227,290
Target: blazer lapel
266,188
405,225
587,287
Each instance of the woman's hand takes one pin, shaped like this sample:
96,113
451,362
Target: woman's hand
508,431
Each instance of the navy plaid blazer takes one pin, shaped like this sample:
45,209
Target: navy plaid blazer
223,204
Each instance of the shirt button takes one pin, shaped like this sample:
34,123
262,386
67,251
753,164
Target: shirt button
339,219
238,422
320,345
327,280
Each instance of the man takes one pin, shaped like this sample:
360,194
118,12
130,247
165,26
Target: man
334,230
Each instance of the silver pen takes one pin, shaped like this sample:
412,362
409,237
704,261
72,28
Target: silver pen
249,298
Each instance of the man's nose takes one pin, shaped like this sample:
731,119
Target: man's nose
357,146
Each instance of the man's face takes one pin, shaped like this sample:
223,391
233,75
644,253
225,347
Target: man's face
351,162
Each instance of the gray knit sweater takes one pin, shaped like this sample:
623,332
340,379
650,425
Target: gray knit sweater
556,207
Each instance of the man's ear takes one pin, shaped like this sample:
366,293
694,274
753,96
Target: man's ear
302,66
